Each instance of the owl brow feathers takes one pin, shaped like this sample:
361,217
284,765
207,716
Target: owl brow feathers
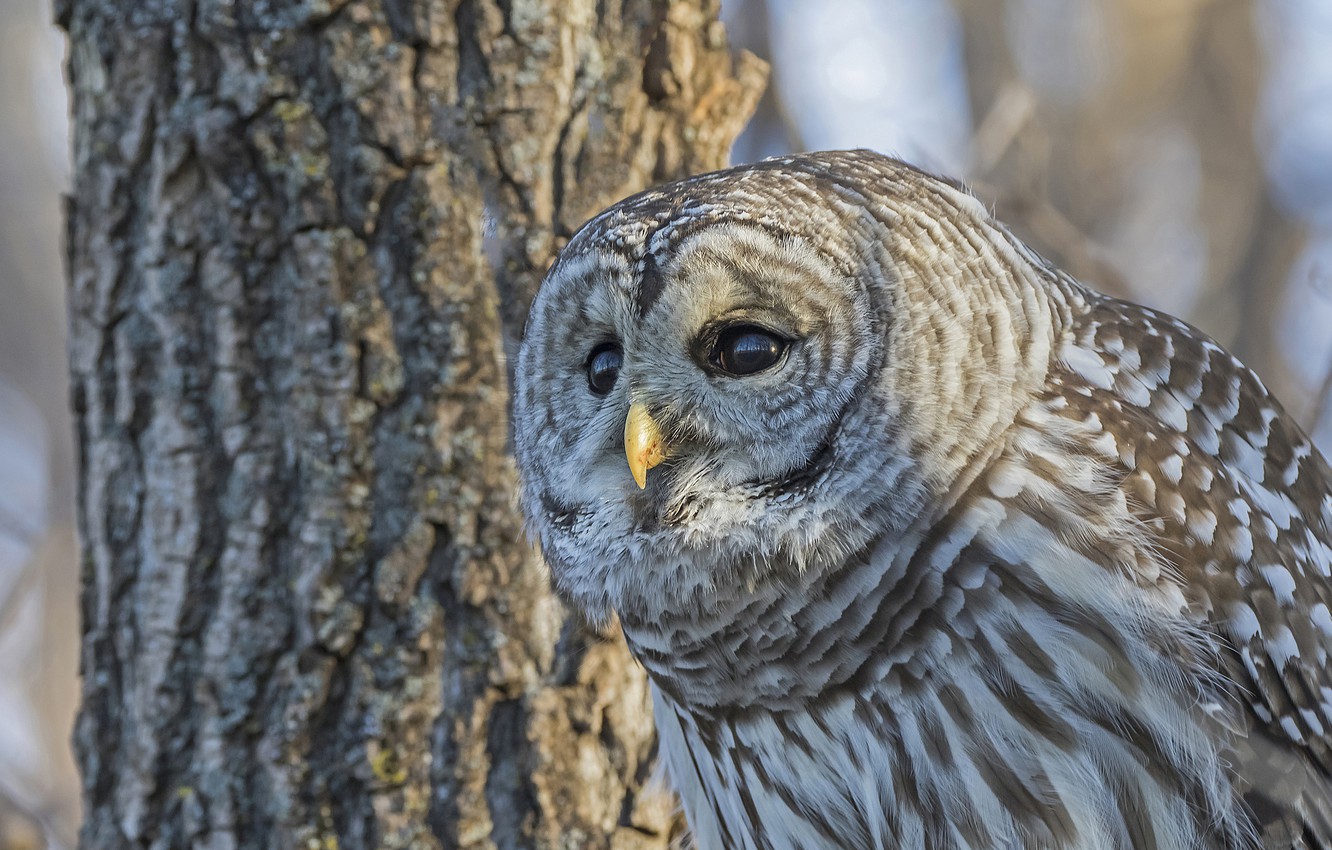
650,286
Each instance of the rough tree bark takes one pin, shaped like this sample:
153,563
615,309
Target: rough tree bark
302,238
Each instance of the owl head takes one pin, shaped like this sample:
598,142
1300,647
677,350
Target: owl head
752,372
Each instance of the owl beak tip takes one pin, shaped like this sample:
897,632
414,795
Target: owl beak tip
640,475
643,444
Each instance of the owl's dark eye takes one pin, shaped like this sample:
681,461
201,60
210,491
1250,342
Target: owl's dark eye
603,367
746,349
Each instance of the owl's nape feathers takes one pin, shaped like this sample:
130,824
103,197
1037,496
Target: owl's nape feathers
930,546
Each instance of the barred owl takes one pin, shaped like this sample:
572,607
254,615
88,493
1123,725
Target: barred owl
922,543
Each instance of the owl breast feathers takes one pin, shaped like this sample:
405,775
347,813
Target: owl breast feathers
922,543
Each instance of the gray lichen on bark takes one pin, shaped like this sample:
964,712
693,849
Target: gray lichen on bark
301,237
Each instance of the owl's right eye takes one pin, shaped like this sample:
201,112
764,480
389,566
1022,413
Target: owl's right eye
603,367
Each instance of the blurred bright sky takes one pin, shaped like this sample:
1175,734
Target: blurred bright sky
865,73
1298,106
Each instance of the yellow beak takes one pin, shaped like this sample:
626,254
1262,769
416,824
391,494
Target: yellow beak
642,442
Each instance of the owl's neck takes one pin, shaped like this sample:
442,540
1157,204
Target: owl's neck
780,631
792,635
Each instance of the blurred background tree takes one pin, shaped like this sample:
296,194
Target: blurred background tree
1177,152
38,552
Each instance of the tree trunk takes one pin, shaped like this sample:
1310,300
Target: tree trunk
302,241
